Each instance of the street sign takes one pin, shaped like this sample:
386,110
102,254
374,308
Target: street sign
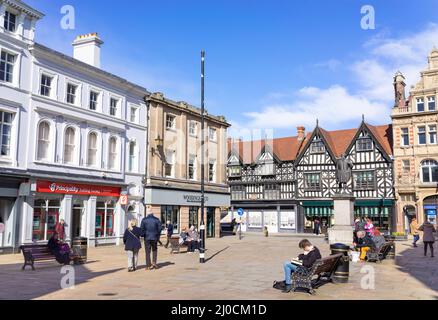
240,212
124,199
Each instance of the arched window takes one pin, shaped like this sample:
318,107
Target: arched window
43,141
92,149
69,145
132,157
429,171
112,155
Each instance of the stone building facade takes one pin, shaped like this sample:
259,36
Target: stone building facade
415,122
172,189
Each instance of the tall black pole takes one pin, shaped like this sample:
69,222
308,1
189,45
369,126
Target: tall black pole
202,228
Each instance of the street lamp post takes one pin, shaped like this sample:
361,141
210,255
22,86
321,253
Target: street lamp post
202,227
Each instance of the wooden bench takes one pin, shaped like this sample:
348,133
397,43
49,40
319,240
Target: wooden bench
381,254
322,269
175,246
36,252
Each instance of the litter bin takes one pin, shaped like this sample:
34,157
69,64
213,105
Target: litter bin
391,253
342,270
79,247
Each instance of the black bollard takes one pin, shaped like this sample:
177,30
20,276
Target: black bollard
342,270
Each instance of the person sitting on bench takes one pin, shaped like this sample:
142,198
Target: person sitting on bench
306,259
60,250
193,239
364,244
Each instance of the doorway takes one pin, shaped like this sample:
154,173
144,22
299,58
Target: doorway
78,209
270,219
211,223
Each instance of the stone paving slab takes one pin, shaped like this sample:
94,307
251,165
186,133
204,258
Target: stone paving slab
235,269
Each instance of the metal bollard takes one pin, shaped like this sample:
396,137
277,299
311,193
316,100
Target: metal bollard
342,271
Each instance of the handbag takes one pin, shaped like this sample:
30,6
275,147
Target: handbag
139,241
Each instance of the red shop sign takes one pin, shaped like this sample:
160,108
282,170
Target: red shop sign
79,189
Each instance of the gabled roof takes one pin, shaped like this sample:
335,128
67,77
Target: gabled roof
289,148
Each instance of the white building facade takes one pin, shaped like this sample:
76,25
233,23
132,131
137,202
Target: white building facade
72,138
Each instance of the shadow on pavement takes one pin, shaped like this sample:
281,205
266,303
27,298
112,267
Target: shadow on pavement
214,255
47,278
413,262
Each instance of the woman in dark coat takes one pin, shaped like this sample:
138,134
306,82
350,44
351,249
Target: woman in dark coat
132,242
60,250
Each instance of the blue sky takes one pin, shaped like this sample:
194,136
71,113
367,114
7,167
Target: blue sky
270,65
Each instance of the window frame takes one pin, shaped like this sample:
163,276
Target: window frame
96,102
429,164
318,150
3,124
116,108
214,137
404,135
364,184
45,86
49,144
420,101
313,186
74,150
68,94
114,154
135,113
421,134
96,164
170,165
195,128
432,133
429,102
360,141
170,122
212,171
7,21
132,159
192,165
12,74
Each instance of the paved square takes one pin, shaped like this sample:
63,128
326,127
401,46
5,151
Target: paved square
235,269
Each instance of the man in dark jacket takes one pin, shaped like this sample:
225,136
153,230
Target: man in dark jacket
151,230
310,255
169,233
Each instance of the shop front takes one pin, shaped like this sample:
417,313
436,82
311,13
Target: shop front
10,205
91,211
378,210
183,208
318,210
275,218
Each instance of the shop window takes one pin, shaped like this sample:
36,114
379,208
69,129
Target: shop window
104,226
193,217
45,218
254,219
170,213
287,219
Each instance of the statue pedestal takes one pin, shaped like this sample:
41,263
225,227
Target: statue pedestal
342,231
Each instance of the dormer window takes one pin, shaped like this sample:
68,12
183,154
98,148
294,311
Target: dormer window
317,147
364,144
234,171
10,21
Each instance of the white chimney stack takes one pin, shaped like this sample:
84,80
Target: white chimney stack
86,48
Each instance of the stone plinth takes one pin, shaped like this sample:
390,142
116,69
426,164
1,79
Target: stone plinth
342,231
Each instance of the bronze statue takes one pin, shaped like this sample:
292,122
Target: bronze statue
343,172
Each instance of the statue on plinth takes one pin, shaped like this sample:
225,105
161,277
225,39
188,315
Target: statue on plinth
343,172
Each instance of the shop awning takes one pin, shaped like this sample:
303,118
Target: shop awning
316,203
372,212
374,203
318,211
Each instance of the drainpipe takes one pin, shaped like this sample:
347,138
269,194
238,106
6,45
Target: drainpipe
146,177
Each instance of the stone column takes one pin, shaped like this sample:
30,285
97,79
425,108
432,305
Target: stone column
342,232
91,222
66,215
2,15
217,222
27,220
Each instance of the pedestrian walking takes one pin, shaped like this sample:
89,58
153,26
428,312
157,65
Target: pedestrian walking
316,227
369,226
169,233
60,230
428,237
131,239
414,231
151,230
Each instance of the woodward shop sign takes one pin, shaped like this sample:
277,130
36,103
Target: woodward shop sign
192,198
79,189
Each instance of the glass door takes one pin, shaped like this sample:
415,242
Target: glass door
271,221
210,223
76,220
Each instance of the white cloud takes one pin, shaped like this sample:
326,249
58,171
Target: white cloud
370,89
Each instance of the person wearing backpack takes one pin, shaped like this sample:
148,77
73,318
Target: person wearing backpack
131,239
